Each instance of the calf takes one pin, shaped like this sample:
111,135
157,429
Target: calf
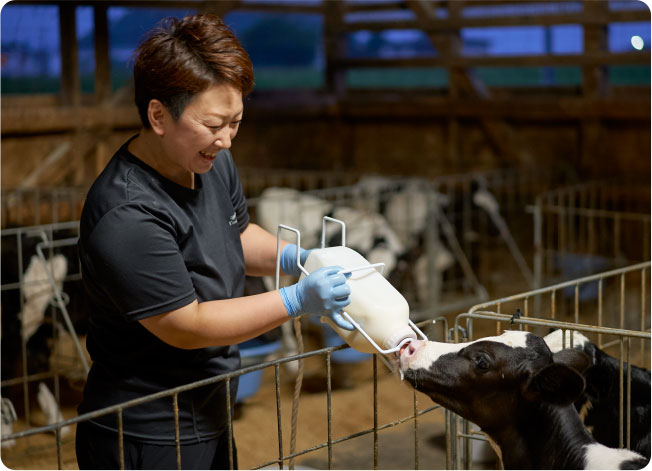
598,406
27,317
519,394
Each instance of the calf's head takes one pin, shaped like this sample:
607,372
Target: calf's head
491,379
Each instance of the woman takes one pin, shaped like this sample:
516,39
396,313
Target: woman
165,243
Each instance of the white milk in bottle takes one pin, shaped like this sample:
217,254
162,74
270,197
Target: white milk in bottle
376,305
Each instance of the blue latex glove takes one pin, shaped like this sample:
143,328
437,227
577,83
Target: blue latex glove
322,293
289,259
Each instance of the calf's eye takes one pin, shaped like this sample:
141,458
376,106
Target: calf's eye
482,362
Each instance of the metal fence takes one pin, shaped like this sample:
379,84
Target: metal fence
284,457
453,239
35,206
588,228
41,312
23,207
625,335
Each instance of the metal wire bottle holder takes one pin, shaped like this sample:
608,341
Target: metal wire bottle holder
345,314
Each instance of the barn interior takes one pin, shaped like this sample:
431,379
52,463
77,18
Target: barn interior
497,147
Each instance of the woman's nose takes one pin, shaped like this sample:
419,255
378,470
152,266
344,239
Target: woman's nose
223,140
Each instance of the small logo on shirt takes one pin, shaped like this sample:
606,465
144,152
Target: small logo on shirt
233,219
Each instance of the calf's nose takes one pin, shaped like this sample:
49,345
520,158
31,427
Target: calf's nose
411,349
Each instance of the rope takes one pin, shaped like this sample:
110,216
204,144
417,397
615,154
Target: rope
297,391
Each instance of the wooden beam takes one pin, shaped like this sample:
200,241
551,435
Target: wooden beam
530,109
220,8
453,24
39,120
591,59
415,104
199,5
70,82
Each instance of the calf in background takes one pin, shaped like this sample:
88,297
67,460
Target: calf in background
598,406
519,394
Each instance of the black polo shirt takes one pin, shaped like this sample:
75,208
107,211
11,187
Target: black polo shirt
148,246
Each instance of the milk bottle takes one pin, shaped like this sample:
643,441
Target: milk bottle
381,311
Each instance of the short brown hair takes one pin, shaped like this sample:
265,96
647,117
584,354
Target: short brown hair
183,57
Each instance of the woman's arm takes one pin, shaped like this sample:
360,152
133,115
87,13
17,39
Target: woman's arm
259,248
223,322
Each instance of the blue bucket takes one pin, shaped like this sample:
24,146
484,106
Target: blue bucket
346,355
253,352
576,265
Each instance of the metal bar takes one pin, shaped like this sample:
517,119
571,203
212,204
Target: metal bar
39,228
323,230
622,301
620,398
549,323
329,409
629,393
229,421
277,384
121,447
643,291
466,444
558,286
57,434
177,440
596,213
576,311
600,308
375,402
416,429
57,293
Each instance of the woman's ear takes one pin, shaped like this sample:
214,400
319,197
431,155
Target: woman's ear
157,115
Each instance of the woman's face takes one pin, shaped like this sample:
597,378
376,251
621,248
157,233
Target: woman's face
207,125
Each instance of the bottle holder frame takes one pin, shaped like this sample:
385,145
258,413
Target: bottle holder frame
345,314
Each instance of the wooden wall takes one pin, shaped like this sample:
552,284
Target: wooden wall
593,131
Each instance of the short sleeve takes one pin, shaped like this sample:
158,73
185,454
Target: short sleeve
133,256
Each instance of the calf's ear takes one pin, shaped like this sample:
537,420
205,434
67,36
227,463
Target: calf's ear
573,357
555,384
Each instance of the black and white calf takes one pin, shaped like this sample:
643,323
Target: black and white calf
519,394
598,406
26,300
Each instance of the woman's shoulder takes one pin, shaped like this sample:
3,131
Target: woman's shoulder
122,183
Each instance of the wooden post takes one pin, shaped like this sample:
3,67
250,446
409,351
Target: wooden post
70,83
503,139
594,81
453,42
334,44
102,57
